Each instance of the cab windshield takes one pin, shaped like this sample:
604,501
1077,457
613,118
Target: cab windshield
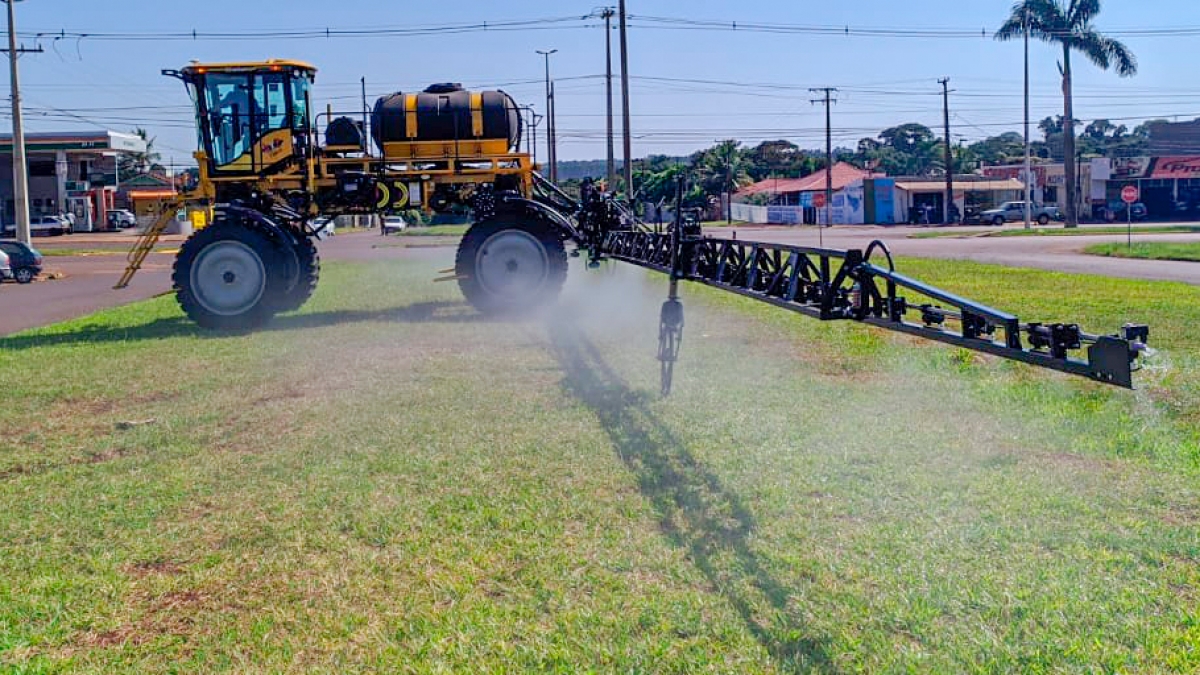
243,108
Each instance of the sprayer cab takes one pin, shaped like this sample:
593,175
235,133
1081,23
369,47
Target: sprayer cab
252,118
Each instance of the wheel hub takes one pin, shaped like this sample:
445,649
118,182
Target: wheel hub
228,278
512,264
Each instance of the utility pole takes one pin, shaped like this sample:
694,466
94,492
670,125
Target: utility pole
608,75
20,167
625,130
1028,160
945,82
552,133
828,101
551,151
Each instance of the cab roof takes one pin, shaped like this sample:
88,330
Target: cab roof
249,66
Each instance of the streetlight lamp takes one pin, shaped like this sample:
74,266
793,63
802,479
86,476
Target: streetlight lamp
19,167
551,141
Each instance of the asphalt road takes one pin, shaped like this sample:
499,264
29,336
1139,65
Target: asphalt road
86,283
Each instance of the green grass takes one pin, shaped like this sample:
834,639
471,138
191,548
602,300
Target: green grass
386,483
1189,252
436,231
1059,231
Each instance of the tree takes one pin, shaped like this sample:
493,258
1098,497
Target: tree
1069,23
1007,148
722,169
137,163
779,159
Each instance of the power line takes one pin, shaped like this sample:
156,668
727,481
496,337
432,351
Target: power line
679,23
315,33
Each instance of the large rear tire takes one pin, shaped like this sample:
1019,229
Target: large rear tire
508,265
230,276
308,268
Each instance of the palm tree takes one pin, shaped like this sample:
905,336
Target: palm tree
141,162
1069,23
724,169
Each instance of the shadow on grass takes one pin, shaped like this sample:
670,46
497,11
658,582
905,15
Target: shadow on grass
181,326
695,511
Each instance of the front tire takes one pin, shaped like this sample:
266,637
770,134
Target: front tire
510,265
228,276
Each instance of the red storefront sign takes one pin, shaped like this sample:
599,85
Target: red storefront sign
1177,167
1015,172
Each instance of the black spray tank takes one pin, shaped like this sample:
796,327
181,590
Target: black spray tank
447,112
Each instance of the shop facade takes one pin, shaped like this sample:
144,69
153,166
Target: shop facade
69,172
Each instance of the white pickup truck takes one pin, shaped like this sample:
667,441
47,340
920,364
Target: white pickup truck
1014,212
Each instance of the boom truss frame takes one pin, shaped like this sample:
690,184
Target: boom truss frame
830,285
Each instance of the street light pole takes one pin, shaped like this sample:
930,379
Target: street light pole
551,141
20,167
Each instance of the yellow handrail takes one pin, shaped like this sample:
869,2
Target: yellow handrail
148,239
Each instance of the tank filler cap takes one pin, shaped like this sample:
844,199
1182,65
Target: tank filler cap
444,88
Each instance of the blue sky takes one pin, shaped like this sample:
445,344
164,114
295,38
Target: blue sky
91,83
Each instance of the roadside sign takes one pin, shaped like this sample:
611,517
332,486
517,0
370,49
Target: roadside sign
819,200
1129,195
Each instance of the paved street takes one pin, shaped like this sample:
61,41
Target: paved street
1063,254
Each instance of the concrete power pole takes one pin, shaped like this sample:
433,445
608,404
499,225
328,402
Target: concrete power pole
945,82
20,167
1028,161
625,130
828,102
608,77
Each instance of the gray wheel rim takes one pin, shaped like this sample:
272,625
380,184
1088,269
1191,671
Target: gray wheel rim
228,278
512,264
24,275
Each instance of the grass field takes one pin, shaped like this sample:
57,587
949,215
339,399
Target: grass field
436,231
1189,252
1059,231
387,483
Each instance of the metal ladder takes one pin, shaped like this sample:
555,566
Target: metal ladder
147,240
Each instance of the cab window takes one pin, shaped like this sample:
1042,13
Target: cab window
271,99
227,98
299,102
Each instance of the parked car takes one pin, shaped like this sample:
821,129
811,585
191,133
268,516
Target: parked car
121,219
25,262
1116,211
47,225
324,227
1014,212
5,267
393,224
